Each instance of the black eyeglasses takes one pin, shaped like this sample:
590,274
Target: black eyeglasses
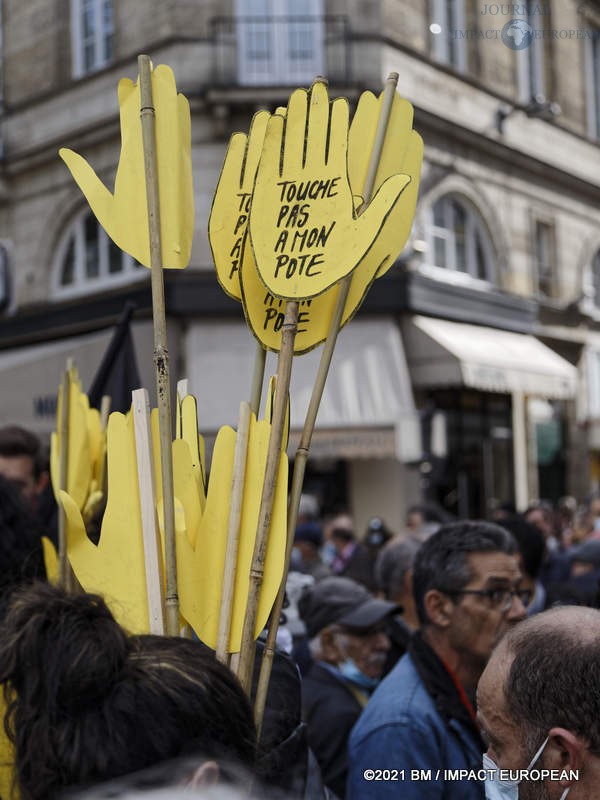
501,599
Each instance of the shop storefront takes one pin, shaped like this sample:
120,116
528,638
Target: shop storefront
499,394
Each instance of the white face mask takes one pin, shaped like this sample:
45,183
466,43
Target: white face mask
496,789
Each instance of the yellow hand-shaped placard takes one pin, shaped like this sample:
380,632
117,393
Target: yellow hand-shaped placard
187,429
115,567
85,452
200,567
231,204
124,214
402,154
304,232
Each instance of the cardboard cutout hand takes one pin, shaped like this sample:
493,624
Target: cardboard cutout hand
201,551
231,204
124,214
304,233
115,567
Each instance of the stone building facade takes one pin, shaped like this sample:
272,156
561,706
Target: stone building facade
506,240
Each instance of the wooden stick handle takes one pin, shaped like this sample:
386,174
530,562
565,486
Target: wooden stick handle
161,354
258,374
233,532
284,370
150,534
63,564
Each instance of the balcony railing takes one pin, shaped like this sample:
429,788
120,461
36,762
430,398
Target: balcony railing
280,51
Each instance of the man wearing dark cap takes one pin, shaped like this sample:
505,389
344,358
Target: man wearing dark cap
419,732
307,543
346,630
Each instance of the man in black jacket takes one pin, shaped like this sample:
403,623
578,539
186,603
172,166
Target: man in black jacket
346,631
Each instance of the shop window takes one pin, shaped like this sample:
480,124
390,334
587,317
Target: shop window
92,32
447,22
458,241
279,41
87,260
592,83
544,259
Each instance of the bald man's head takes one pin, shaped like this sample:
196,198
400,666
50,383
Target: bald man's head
546,673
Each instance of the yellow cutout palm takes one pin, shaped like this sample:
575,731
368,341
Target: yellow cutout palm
201,553
124,214
115,567
402,154
231,204
304,233
86,449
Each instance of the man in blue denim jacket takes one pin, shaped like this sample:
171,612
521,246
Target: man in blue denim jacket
419,728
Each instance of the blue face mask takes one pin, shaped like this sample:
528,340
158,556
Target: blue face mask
496,789
328,553
350,671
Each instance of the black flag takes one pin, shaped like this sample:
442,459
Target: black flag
118,373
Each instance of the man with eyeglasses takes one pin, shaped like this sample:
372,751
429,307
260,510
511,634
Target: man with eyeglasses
539,709
420,728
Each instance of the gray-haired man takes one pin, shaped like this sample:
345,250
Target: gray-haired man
539,708
420,722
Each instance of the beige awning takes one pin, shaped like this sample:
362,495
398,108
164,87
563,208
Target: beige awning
367,408
442,353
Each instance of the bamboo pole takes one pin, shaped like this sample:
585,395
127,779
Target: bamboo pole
233,532
313,408
258,375
150,534
104,410
161,354
284,370
63,422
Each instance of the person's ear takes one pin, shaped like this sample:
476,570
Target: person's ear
42,480
408,582
565,752
330,650
439,608
207,774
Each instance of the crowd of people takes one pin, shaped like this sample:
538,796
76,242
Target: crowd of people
452,660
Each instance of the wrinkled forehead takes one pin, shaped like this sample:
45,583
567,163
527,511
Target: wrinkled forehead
488,566
490,690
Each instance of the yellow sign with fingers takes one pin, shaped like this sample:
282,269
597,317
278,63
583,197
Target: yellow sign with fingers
402,153
124,214
304,232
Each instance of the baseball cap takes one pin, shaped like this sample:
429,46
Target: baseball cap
341,601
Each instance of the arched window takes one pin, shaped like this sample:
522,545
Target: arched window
87,260
458,240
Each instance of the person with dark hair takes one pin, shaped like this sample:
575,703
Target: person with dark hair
352,559
87,703
308,540
22,461
24,464
532,548
466,585
394,574
21,555
539,707
346,630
